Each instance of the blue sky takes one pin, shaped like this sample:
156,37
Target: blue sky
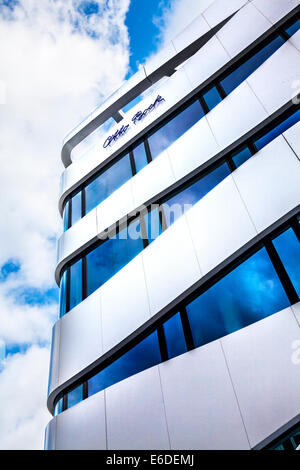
59,60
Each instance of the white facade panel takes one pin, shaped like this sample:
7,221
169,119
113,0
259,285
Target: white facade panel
82,427
124,303
292,137
167,272
295,40
269,183
281,71
274,10
296,310
201,408
191,33
219,225
208,60
192,149
221,9
80,338
236,115
265,379
248,24
135,413
54,359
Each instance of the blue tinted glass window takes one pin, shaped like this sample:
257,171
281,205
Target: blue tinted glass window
63,295
249,293
106,183
174,207
247,68
107,259
66,216
75,396
241,156
171,131
140,157
142,356
153,225
212,98
174,336
75,283
271,135
288,248
76,208
291,30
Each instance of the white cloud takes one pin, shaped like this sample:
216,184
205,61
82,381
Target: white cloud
56,66
177,15
23,385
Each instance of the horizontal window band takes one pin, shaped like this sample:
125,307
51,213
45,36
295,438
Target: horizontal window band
223,72
286,111
207,281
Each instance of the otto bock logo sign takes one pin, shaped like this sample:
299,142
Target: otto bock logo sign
139,116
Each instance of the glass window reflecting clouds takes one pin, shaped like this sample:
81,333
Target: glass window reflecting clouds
172,130
241,156
174,335
142,356
249,293
75,396
212,98
75,284
114,253
140,157
76,208
63,294
247,68
282,127
107,182
288,248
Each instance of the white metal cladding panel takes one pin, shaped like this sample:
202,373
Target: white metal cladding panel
54,359
193,31
269,183
195,147
80,339
135,413
201,408
274,10
75,237
273,81
167,271
152,179
219,225
292,136
236,115
265,378
116,206
208,60
295,40
50,435
296,310
247,25
124,304
82,427
221,9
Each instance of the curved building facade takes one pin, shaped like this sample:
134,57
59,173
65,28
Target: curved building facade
179,264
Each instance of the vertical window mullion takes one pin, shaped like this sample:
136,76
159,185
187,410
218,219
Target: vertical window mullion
281,272
232,166
85,390
162,343
148,152
132,163
203,103
296,228
83,203
65,402
187,329
220,90
84,278
144,229
70,213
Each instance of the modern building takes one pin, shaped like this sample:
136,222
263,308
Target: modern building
179,265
